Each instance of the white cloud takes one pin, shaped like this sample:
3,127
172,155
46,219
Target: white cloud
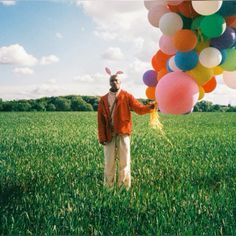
8,2
16,55
113,53
59,35
87,78
52,81
47,60
23,71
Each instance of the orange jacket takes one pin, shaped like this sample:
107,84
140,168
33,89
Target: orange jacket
122,115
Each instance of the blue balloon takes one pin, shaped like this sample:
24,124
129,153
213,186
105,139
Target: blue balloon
186,60
226,40
228,8
150,78
224,56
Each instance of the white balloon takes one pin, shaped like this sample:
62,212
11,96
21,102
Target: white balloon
172,64
170,23
206,8
210,57
229,78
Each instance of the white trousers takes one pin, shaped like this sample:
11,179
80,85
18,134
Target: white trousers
118,148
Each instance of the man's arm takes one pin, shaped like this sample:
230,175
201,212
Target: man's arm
138,107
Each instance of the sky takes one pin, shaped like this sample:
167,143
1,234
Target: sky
61,47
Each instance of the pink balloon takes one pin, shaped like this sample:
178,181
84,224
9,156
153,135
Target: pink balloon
176,93
166,45
155,13
151,3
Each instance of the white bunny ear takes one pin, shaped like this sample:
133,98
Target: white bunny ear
108,70
119,72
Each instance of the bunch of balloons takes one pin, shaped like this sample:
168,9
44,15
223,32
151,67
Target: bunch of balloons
198,44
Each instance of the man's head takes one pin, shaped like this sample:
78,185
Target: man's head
114,83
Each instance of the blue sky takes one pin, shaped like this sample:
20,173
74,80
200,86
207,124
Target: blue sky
61,47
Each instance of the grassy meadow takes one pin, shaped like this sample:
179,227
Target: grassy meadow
51,176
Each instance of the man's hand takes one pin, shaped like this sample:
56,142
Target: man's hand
152,105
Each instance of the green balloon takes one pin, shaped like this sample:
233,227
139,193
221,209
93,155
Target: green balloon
213,26
187,22
195,26
230,62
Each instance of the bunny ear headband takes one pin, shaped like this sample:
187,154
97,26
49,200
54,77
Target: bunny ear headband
109,71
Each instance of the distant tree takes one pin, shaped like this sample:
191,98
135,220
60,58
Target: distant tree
92,100
78,104
1,104
51,107
62,104
38,106
23,106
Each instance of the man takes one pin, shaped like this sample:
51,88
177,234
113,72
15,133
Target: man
114,130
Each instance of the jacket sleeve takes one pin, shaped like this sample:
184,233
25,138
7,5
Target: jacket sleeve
101,123
137,107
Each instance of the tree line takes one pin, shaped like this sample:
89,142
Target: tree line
87,103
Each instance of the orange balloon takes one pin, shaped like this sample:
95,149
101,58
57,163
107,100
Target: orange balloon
150,92
185,40
231,21
210,85
161,73
186,9
159,60
173,8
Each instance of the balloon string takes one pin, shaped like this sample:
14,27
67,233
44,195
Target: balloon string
156,124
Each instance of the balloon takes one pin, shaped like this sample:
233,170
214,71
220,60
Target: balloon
174,3
228,8
149,4
166,45
231,21
176,93
161,73
201,74
229,79
206,7
224,56
150,78
218,70
186,60
159,60
201,93
186,9
185,40
229,64
187,22
150,92
155,13
210,57
202,45
210,85
212,26
226,40
166,23
172,64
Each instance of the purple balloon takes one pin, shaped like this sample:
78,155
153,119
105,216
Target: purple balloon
226,40
150,78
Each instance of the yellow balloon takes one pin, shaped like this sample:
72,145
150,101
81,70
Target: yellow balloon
202,45
201,74
218,70
201,93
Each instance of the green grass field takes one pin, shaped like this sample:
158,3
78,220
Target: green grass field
51,177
